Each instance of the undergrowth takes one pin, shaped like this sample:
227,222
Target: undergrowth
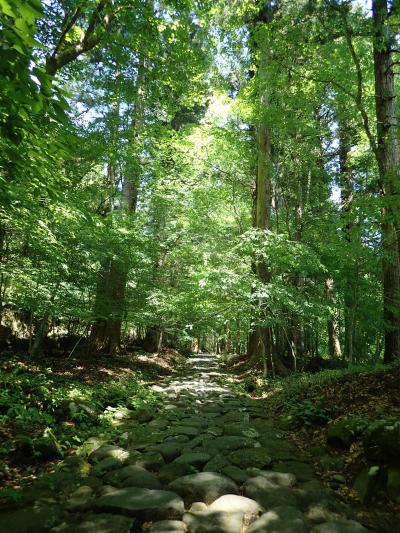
32,399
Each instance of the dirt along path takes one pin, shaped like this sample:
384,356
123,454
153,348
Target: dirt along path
206,460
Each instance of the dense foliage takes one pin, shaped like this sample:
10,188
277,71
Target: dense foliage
213,175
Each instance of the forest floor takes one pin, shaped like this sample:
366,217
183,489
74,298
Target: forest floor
197,451
306,405
40,394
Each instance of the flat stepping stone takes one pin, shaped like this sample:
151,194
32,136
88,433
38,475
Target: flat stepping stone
80,498
190,431
172,471
141,503
159,423
217,464
101,523
151,460
242,430
282,479
214,522
251,457
302,471
204,486
166,526
231,503
284,519
238,475
106,465
109,451
269,494
196,459
133,476
230,443
169,450
194,421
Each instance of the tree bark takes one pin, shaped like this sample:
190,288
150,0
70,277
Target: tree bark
351,281
333,325
98,24
388,159
110,301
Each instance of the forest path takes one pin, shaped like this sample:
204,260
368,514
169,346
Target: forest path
207,460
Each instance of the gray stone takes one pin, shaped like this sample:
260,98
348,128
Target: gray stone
158,423
283,519
217,464
195,459
278,449
215,431
139,477
172,471
366,482
382,442
342,433
214,522
231,503
190,431
194,421
269,494
198,507
238,475
253,457
107,465
302,471
320,512
101,523
141,503
80,498
109,451
229,443
134,476
151,461
339,526
204,486
177,438
312,492
92,444
169,450
166,526
283,479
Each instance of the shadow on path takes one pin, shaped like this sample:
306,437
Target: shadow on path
207,460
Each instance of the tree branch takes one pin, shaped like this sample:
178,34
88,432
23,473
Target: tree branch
359,95
68,25
90,39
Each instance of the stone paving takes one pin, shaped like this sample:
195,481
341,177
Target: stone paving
208,460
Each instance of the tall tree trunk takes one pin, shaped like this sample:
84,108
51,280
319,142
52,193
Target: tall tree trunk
333,325
347,197
299,281
261,338
388,158
109,308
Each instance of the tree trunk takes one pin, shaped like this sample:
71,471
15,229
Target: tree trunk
110,302
333,325
388,158
347,197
